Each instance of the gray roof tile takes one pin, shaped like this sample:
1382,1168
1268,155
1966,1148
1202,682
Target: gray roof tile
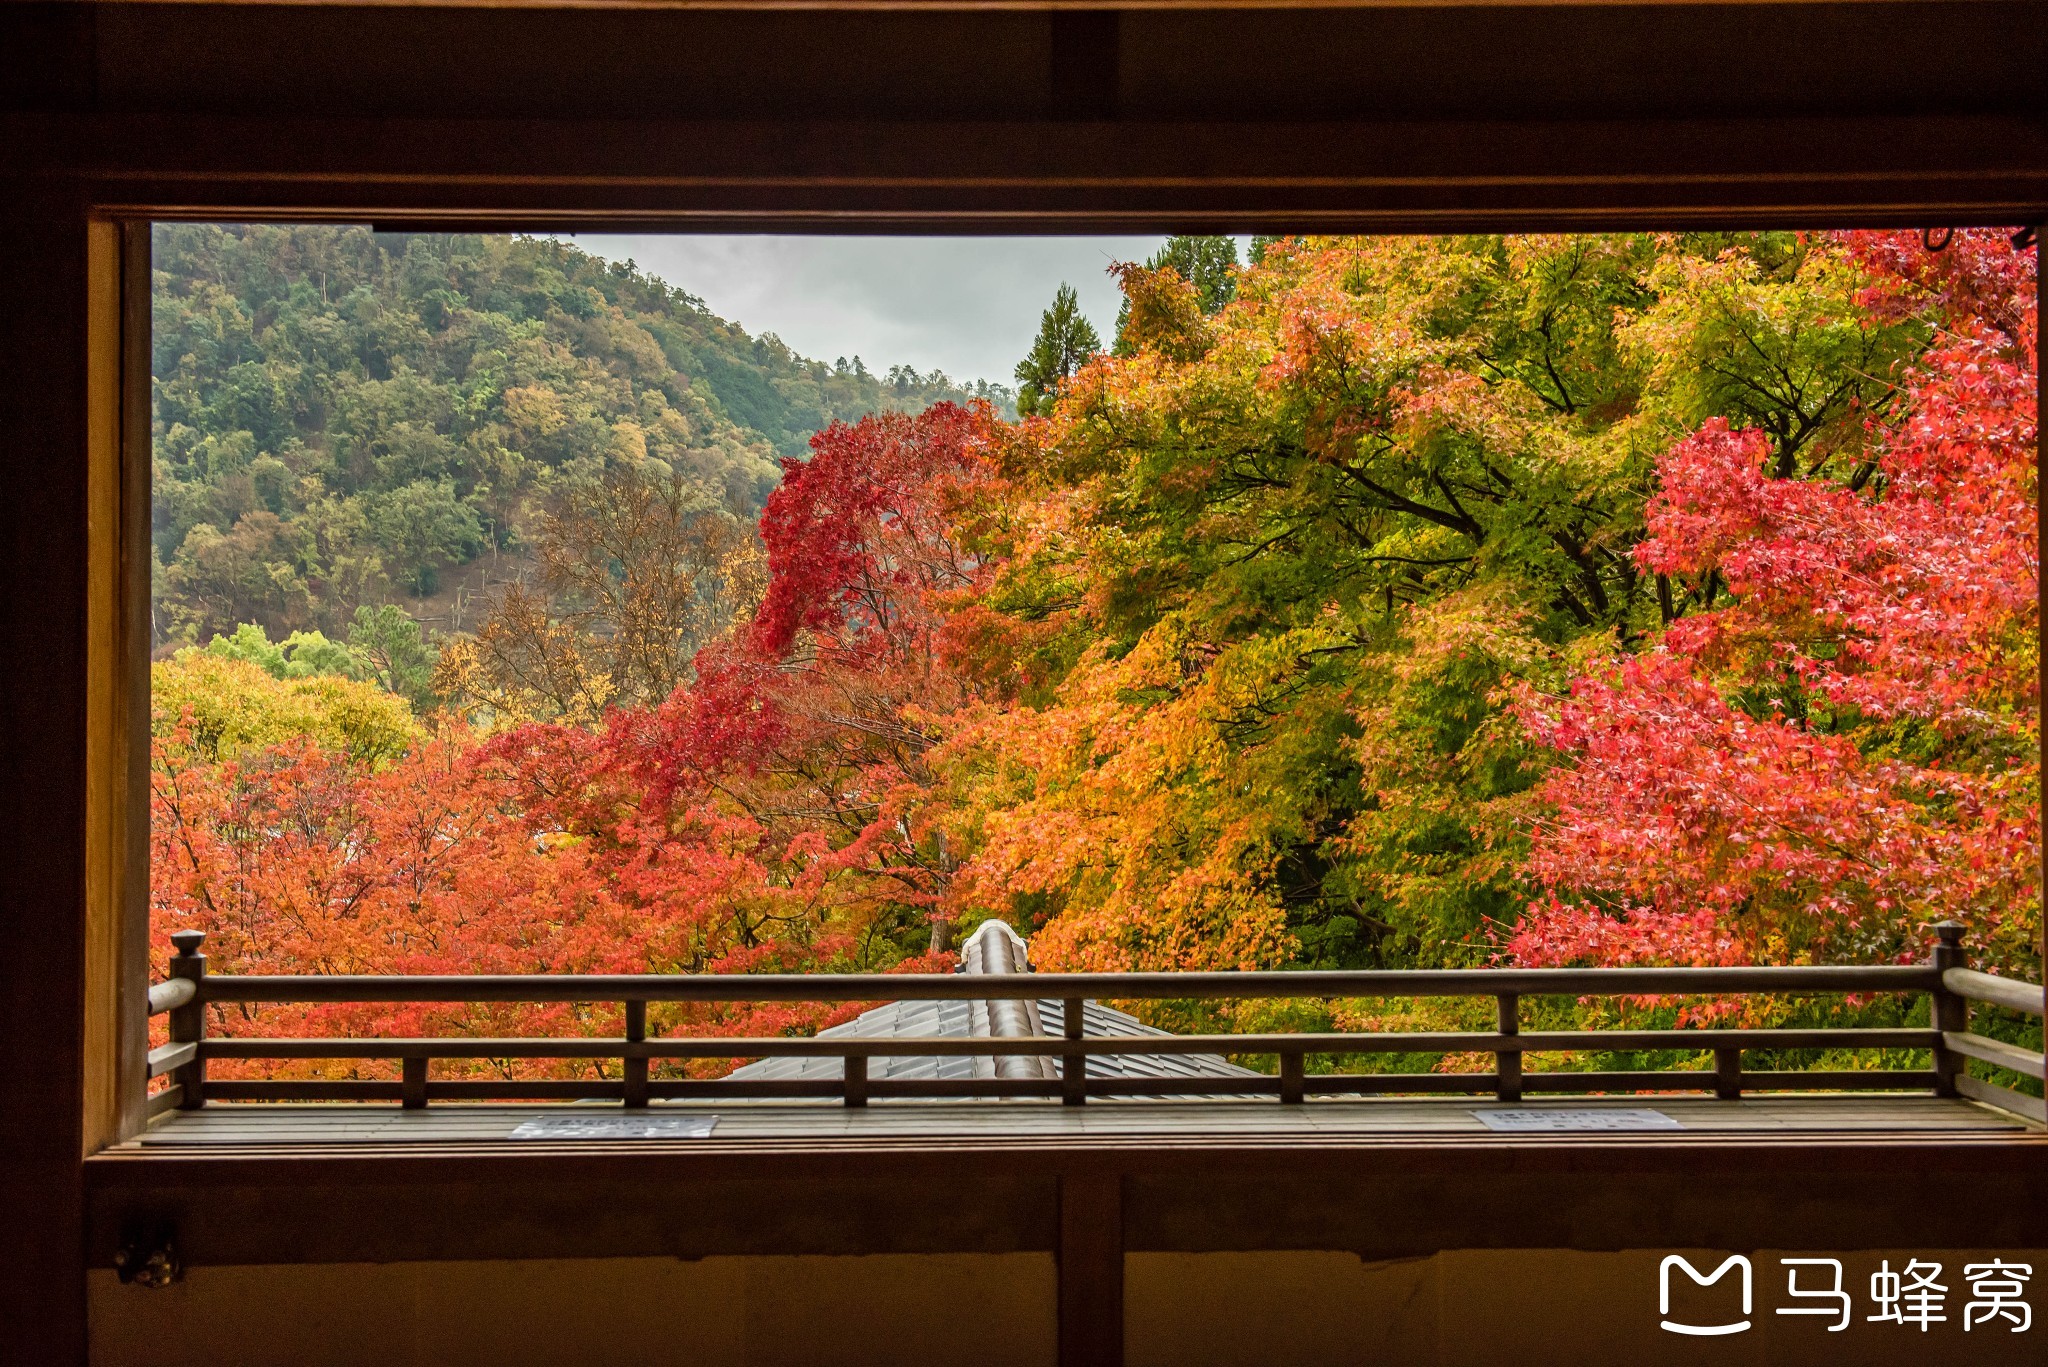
929,1019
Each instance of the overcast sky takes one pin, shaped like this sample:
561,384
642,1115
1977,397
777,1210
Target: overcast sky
966,305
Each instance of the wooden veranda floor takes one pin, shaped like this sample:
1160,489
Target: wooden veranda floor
342,1183
739,1123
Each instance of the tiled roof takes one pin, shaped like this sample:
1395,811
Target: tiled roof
929,1019
994,949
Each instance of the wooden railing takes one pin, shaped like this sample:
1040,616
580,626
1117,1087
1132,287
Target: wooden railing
1943,977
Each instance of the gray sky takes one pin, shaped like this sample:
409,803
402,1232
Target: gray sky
966,305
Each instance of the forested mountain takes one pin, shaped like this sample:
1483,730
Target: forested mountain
343,417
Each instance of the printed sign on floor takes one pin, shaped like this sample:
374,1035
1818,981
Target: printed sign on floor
1548,1118
616,1127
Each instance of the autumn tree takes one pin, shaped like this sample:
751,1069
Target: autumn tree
638,570
1208,264
1280,566
215,706
312,826
781,799
1845,749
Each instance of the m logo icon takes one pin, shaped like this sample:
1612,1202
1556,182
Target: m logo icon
1702,1330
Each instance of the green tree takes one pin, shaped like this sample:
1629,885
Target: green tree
395,652
1065,341
423,526
301,655
249,642
255,572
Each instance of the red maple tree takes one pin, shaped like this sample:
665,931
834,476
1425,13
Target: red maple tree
1848,751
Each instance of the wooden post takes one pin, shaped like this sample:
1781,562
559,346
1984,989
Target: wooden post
1293,1082
2040,583
857,1080
635,1069
117,642
1091,1270
1074,1067
1728,1074
413,1083
1948,1011
1507,1063
188,1022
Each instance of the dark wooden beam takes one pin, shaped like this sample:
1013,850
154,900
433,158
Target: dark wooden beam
1221,62
1091,1269
1404,118
1395,1196
978,177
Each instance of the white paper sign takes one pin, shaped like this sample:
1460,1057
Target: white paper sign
616,1127
1575,1118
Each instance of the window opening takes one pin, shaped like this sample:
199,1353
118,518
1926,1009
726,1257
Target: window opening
1487,666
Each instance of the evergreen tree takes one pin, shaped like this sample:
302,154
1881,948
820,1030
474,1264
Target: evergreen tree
1065,342
395,652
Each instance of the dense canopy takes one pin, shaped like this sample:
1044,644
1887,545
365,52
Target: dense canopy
1381,602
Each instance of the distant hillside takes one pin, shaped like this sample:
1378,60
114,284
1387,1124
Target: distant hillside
347,417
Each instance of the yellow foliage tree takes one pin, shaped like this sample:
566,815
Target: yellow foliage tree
215,708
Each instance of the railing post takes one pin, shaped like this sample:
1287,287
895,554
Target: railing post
857,1080
1949,1012
635,1069
1293,1077
188,1022
1728,1074
1507,1063
1073,1067
412,1084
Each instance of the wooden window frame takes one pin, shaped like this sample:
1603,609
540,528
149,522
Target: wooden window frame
119,456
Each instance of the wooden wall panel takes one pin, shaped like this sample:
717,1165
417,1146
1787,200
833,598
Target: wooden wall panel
1533,1307
43,521
1393,1198
1402,118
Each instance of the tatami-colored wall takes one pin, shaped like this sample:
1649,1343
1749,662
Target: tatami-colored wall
1525,1307
991,1310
